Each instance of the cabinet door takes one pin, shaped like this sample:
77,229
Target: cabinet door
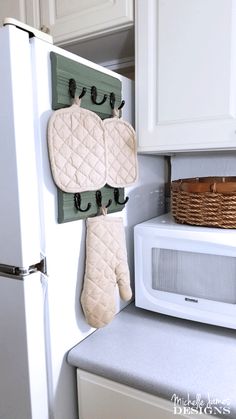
99,398
71,20
26,11
186,75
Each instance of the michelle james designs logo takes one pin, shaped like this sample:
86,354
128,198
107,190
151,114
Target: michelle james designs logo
197,405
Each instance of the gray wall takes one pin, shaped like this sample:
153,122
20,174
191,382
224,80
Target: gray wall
203,164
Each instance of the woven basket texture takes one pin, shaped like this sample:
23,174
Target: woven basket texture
209,209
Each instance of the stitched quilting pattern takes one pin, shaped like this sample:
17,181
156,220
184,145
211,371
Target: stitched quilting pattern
106,267
77,150
86,152
121,152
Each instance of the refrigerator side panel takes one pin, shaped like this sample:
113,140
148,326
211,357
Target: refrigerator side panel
35,289
64,247
19,213
14,383
64,244
23,383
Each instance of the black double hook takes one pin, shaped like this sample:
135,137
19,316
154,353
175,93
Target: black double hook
117,197
73,87
94,94
113,100
77,202
98,196
99,200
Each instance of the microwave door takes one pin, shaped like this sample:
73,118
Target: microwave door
185,271
194,275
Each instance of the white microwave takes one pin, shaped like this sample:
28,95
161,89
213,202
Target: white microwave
186,271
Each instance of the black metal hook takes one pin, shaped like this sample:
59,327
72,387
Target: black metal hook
84,90
94,96
117,197
113,99
72,89
99,200
77,202
121,105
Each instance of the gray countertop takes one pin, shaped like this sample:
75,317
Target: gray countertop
163,356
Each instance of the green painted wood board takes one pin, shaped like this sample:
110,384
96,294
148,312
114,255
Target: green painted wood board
68,212
63,69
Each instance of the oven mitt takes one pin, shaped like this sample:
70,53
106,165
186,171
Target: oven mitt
106,267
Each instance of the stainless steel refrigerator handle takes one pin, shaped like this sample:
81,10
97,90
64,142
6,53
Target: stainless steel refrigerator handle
19,272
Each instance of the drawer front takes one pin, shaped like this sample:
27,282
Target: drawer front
100,398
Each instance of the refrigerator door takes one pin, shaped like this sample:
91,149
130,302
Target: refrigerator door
37,334
23,373
19,209
23,381
63,244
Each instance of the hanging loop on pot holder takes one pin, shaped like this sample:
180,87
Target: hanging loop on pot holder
103,210
116,113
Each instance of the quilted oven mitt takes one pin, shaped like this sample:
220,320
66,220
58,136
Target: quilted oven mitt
106,266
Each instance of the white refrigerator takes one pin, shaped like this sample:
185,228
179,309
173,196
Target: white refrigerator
41,261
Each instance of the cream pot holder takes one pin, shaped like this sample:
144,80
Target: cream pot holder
86,152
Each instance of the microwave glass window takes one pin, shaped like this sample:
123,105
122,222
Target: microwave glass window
196,275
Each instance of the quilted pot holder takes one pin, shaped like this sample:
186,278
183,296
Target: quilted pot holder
120,140
86,152
76,149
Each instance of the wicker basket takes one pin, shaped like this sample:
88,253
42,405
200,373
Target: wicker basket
207,201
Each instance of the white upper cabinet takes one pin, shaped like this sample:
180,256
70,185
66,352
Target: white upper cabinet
26,11
185,75
69,21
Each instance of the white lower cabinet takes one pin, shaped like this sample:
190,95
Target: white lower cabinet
100,398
